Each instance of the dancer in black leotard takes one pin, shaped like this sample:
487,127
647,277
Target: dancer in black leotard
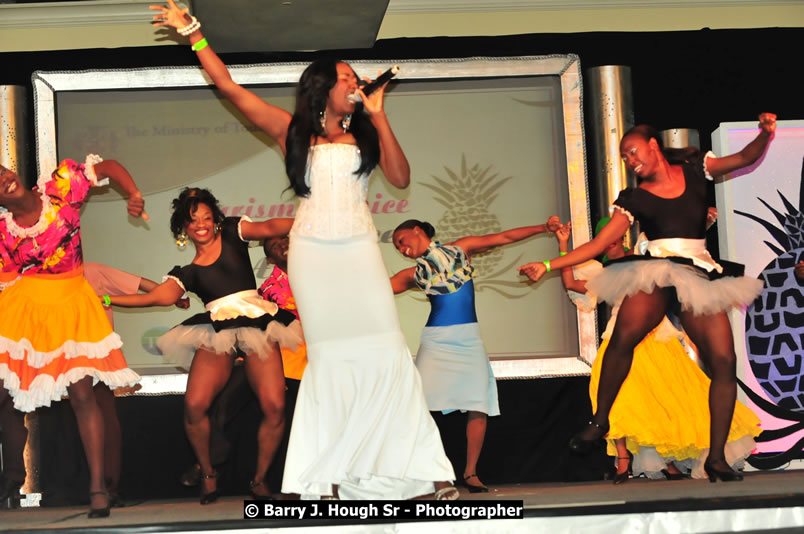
676,270
236,317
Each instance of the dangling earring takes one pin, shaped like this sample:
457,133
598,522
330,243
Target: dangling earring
181,241
347,120
217,229
322,118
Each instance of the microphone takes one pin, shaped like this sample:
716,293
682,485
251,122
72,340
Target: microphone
369,88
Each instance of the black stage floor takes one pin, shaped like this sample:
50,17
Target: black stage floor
763,502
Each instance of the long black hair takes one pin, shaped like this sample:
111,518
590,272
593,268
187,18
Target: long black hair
312,94
410,224
185,205
674,156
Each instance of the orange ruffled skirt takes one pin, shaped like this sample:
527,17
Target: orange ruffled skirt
662,410
53,333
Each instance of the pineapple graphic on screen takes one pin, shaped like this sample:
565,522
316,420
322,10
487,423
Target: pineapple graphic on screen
774,323
467,196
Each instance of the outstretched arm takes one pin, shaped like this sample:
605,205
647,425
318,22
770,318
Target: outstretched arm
718,167
614,230
273,120
147,285
257,231
476,244
165,294
117,173
567,274
403,280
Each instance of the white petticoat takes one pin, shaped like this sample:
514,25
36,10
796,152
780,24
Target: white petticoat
695,291
649,463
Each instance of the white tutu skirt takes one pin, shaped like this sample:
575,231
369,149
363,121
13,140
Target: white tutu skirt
178,345
694,290
361,420
455,370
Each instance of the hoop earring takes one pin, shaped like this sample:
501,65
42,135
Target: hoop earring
181,241
347,120
322,119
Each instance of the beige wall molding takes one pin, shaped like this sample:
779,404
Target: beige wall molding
59,14
443,6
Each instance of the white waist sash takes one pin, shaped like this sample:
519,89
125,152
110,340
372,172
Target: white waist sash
246,303
693,249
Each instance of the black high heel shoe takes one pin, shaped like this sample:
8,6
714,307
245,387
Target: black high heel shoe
473,488
619,478
674,476
725,476
256,496
95,513
212,496
584,446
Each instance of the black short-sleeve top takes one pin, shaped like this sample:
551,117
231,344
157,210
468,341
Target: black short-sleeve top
663,218
230,273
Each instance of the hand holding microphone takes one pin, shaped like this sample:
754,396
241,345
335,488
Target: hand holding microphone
369,88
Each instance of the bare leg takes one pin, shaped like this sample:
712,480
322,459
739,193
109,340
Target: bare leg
475,434
208,374
638,315
90,427
267,379
712,335
14,435
113,442
623,459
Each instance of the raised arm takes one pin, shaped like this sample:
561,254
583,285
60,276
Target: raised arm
719,167
476,244
393,162
165,294
614,230
271,119
403,280
257,231
117,173
567,274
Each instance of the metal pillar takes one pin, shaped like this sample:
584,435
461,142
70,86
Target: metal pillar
14,155
680,138
611,113
14,129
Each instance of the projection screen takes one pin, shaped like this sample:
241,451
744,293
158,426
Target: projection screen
493,143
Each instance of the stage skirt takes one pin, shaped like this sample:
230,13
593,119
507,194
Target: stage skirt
455,370
662,409
53,333
696,290
361,420
241,320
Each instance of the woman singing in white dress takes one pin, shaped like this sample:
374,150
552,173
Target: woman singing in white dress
361,429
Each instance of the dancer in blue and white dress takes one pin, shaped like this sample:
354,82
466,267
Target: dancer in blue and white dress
455,369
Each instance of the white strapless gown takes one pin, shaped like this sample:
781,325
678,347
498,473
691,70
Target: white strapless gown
361,420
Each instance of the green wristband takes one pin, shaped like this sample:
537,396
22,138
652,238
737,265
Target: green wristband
562,253
107,301
547,264
200,45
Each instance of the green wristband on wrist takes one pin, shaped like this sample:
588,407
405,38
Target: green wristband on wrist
547,264
200,45
107,301
562,253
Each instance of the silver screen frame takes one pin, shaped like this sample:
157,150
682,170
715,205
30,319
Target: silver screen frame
46,85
